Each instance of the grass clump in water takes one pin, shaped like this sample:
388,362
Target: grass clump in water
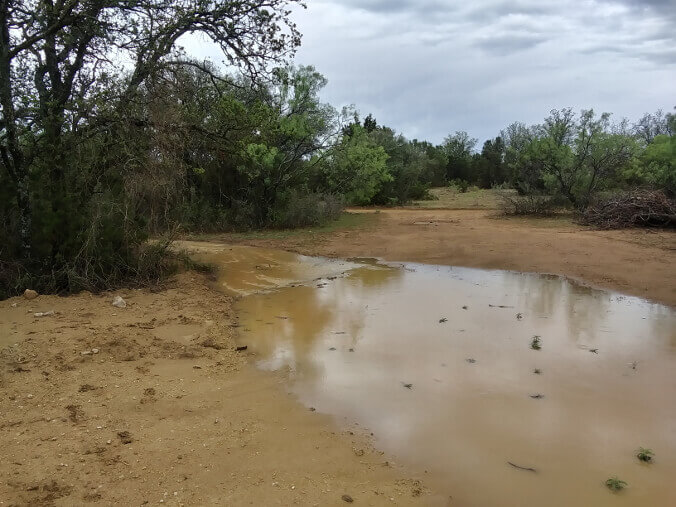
536,343
615,484
645,455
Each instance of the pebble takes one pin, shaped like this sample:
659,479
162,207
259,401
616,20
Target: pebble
347,498
30,294
118,302
43,314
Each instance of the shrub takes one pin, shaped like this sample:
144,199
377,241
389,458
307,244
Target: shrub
533,204
307,210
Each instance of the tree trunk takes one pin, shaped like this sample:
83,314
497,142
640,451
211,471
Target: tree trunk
25,216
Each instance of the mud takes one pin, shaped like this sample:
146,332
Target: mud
437,363
635,261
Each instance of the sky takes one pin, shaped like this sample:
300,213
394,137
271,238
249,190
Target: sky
428,68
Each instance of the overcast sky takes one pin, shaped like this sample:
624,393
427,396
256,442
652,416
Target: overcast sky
430,67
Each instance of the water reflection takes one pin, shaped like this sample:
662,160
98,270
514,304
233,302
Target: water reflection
354,338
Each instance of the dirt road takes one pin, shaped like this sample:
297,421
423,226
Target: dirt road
636,262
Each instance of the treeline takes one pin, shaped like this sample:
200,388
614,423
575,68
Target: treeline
96,159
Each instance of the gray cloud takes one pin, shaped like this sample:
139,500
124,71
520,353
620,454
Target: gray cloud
430,67
509,43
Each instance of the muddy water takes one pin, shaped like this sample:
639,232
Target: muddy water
456,398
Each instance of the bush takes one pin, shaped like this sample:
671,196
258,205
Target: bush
636,208
307,210
459,184
533,204
144,265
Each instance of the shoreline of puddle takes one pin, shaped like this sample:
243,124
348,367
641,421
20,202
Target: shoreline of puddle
289,326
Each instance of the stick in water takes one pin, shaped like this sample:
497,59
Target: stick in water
528,469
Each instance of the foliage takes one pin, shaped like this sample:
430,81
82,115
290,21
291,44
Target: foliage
73,127
645,455
615,484
357,169
536,343
530,204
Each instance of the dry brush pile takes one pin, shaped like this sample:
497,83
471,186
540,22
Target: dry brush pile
636,208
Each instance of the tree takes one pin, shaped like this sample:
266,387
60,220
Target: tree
60,87
357,168
458,149
576,156
370,123
653,125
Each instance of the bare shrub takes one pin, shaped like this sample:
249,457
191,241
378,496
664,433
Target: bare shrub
309,209
636,208
532,204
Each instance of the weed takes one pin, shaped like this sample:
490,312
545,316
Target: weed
536,343
645,455
615,484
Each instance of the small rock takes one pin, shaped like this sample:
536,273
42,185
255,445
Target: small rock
242,348
471,360
442,320
95,351
43,314
332,348
407,386
86,352
465,307
30,294
125,437
347,498
118,302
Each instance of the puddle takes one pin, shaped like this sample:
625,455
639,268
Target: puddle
436,362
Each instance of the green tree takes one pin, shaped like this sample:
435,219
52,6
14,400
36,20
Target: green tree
357,168
61,94
458,149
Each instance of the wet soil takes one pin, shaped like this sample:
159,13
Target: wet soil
152,404
636,261
439,364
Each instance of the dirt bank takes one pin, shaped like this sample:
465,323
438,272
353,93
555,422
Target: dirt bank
151,404
636,262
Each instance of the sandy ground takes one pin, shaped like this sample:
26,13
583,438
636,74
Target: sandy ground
151,404
636,262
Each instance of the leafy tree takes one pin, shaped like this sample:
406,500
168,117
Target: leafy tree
652,125
61,93
458,149
370,123
357,168
575,157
